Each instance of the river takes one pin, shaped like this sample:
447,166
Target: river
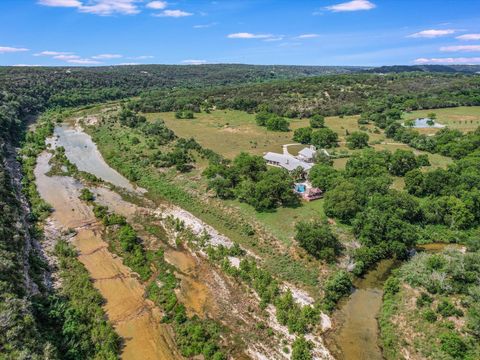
136,319
356,335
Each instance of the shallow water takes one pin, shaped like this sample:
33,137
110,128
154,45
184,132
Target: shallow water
82,151
357,335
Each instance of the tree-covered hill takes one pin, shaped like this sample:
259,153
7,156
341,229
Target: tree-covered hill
328,95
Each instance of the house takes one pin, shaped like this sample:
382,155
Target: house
286,161
308,154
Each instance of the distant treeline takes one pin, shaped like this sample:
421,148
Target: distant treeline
327,95
30,90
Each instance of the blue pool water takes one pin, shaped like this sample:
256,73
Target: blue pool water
300,188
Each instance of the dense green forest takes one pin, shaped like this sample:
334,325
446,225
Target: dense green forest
326,95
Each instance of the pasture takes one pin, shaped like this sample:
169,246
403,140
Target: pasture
464,118
229,132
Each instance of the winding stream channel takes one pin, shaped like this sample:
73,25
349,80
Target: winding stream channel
203,289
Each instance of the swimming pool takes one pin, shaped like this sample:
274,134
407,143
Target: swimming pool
300,188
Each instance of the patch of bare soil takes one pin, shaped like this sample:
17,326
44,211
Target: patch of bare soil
135,319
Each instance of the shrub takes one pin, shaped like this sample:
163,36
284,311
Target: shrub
391,286
86,195
447,309
423,300
337,286
318,240
453,345
301,349
430,316
317,121
357,140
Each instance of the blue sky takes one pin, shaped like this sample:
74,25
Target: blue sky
315,32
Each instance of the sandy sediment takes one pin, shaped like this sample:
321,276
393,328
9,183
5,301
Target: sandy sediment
135,318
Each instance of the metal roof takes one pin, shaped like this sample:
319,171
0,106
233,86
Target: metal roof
307,152
288,162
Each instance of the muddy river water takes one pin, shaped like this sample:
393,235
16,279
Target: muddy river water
82,151
357,334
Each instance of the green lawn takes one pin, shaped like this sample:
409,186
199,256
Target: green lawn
229,132
281,223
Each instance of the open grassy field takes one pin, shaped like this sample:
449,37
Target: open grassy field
464,118
281,223
230,132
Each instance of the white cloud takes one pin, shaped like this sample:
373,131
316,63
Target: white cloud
469,37
141,57
9,49
52,53
60,3
173,13
83,61
107,56
66,57
432,33
204,26
22,65
464,48
354,5
275,38
157,5
110,7
307,36
245,35
98,7
125,64
194,62
450,60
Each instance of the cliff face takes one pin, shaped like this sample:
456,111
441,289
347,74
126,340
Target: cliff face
21,277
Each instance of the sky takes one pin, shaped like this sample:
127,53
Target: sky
288,32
